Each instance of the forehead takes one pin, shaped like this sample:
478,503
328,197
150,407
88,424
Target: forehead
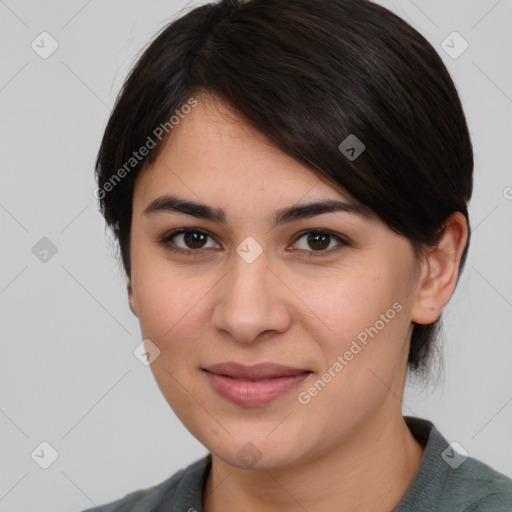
213,153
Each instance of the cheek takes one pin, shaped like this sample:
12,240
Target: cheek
344,307
364,322
171,305
362,351
168,315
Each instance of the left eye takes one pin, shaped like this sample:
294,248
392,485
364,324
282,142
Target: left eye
319,241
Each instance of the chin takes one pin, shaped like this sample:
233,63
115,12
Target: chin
247,452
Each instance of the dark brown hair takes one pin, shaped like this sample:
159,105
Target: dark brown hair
306,73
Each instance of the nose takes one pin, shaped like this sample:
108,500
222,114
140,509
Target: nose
251,300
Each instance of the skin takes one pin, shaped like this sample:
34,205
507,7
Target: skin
292,306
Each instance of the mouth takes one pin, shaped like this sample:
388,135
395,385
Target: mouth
253,386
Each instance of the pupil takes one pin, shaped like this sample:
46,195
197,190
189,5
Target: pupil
323,237
193,240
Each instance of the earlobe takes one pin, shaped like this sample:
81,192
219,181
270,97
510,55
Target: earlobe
131,300
440,271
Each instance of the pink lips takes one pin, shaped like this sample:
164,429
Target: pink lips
253,385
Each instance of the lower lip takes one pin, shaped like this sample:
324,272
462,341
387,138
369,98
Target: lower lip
253,393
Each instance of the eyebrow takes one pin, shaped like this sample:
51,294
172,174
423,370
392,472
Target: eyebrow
173,204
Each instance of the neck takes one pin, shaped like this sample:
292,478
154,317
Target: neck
371,471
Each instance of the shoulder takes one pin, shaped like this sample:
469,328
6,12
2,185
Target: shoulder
480,487
449,479
184,483
142,500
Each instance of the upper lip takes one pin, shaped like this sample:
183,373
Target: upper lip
257,371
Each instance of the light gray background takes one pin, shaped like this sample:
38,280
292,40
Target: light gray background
68,374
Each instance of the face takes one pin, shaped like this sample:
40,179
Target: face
327,295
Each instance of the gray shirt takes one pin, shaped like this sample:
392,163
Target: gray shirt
447,481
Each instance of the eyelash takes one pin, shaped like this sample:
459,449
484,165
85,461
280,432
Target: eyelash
164,241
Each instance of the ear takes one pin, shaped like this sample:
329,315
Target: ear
131,299
439,271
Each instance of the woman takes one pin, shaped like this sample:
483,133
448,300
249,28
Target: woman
288,182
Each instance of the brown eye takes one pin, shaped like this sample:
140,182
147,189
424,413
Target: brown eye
187,241
317,241
194,239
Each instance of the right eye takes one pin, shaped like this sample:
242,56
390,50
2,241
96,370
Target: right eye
192,240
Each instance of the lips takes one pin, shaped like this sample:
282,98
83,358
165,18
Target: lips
254,385
258,371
